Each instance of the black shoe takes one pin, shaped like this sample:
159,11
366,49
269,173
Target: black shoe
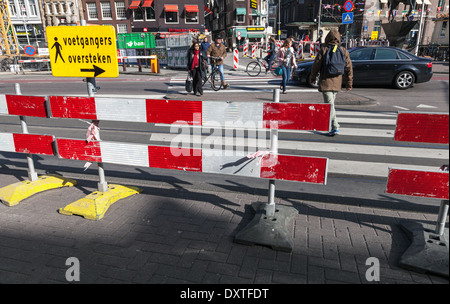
333,132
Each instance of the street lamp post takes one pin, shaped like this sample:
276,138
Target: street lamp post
318,19
419,35
279,20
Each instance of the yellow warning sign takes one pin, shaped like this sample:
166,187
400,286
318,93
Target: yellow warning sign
83,51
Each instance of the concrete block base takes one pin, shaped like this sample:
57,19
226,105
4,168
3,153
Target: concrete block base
268,231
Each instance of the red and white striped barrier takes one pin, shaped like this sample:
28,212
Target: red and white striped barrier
191,112
33,60
428,251
425,128
245,51
279,167
261,115
235,59
300,50
254,46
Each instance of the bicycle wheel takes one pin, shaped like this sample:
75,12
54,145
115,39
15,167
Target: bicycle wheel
216,81
253,68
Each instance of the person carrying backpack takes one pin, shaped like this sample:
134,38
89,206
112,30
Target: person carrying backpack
332,62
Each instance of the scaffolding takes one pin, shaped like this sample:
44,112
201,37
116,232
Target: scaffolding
8,40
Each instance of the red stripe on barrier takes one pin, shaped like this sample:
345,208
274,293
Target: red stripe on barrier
79,150
171,111
26,105
175,158
73,107
297,116
294,168
34,144
418,183
422,127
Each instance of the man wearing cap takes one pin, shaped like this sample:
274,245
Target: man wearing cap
217,49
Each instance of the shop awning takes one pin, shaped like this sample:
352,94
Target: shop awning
134,4
191,8
171,8
240,11
427,2
147,3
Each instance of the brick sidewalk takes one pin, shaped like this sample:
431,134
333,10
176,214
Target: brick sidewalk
169,234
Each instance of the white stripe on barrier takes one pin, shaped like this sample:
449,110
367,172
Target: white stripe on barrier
124,153
7,142
236,163
3,105
123,109
239,113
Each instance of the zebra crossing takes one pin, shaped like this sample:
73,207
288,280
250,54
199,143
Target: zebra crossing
364,146
239,84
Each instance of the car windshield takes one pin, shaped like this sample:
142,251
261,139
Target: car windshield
361,54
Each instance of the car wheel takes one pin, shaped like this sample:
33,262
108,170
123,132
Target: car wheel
404,80
315,84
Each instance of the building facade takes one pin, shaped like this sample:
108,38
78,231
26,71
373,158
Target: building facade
146,15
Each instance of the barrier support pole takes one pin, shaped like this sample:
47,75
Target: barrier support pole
443,211
32,175
268,226
270,210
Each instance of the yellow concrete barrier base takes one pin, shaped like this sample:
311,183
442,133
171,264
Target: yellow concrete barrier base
95,205
11,195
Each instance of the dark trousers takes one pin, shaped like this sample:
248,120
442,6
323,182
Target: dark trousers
197,80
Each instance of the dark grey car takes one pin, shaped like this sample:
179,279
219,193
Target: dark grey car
379,66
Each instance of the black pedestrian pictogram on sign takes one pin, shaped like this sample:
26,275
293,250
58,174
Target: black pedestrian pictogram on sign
58,48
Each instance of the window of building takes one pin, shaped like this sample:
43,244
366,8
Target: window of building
33,9
149,7
106,10
443,29
92,10
138,14
121,11
22,8
171,13
122,28
191,15
12,8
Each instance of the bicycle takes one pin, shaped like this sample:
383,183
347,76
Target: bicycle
214,77
254,67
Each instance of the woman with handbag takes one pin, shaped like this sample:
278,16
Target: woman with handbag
195,68
286,60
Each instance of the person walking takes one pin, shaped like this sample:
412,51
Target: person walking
218,49
286,60
195,67
203,48
271,53
330,85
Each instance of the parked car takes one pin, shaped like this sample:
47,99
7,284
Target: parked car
379,66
